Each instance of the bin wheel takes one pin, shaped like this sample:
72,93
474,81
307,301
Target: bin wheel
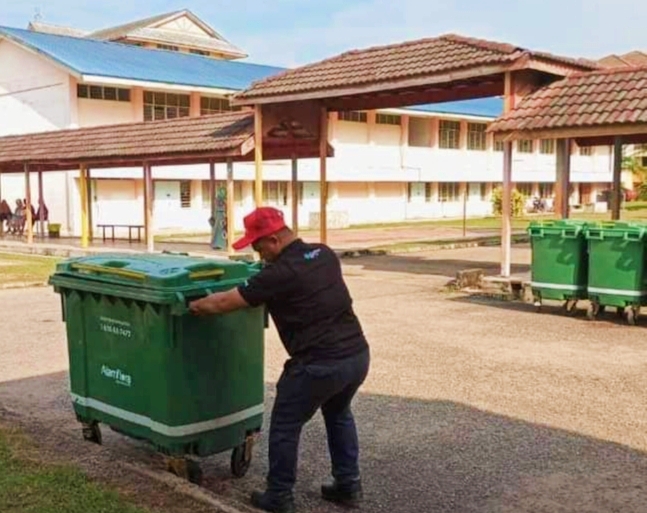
620,312
594,310
186,469
241,458
632,315
570,306
92,432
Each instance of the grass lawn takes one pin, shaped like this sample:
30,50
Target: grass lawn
25,268
29,486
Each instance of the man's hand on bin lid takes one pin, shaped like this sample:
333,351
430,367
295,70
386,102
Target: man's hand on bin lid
218,303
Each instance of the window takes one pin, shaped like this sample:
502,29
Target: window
115,94
275,193
476,136
498,145
586,151
165,106
643,161
449,191
170,48
210,105
419,132
546,190
198,52
185,194
547,146
353,116
388,119
524,188
524,146
449,132
429,192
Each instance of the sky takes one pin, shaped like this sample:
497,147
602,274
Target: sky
295,32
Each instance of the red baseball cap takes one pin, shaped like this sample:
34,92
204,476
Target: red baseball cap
260,223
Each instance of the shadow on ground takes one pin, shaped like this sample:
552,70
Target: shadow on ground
417,456
421,265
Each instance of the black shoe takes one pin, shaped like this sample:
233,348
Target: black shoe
349,495
274,504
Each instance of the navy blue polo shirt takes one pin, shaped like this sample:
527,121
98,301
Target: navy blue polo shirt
309,302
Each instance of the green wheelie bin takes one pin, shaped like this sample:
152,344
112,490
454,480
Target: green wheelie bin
145,367
617,276
559,268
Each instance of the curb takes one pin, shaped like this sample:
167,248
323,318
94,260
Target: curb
22,285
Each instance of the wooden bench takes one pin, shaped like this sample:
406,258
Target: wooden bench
130,227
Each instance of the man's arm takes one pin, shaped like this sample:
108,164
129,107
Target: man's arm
218,303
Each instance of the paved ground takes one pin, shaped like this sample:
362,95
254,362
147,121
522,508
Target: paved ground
470,406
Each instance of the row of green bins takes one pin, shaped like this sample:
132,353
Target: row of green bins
617,274
559,268
145,367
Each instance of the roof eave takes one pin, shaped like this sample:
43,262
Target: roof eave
581,132
151,84
382,87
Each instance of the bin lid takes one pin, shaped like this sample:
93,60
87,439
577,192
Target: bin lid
159,271
557,226
633,229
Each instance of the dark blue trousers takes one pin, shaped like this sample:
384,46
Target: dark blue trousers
301,391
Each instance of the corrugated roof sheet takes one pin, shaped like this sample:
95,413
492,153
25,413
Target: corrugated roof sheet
600,98
115,60
150,140
387,64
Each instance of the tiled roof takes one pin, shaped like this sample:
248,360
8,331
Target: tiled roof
47,28
616,96
385,64
140,141
115,60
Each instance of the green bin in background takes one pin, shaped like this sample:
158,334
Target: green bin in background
142,365
559,268
617,276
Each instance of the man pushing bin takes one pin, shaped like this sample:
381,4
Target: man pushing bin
304,291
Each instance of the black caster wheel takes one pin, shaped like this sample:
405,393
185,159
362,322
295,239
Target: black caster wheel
92,432
594,310
620,312
632,315
570,307
186,469
241,458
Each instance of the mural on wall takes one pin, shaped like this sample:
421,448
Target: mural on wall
218,220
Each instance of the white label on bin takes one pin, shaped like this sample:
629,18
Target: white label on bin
120,377
115,327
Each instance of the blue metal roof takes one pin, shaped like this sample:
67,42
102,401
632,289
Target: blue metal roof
130,62
483,107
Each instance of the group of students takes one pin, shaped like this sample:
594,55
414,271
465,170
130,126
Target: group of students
17,219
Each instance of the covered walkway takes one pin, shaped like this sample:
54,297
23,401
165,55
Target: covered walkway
209,139
440,69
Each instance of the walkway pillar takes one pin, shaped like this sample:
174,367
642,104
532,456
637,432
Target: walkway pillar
616,191
563,177
212,189
258,155
88,184
323,181
295,195
41,203
506,211
230,207
28,217
148,208
83,190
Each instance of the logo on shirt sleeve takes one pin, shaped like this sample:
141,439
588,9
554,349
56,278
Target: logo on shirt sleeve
311,255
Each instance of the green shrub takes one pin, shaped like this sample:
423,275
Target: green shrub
518,202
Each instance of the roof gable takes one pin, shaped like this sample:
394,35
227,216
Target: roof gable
89,57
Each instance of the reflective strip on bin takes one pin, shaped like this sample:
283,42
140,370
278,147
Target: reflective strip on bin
556,286
618,292
163,429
